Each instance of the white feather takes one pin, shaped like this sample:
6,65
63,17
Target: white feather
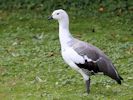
69,54
86,58
71,57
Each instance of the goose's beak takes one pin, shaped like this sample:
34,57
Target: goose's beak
50,17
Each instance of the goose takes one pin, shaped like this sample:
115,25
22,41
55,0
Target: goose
82,56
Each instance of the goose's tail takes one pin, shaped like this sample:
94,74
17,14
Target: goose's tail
119,79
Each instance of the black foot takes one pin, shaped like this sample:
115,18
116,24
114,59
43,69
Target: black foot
88,86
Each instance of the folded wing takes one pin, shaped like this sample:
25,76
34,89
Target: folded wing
100,62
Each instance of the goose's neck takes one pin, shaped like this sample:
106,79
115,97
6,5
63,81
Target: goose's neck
64,34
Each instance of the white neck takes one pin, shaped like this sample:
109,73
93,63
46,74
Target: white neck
64,34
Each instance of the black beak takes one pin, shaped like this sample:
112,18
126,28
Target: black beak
50,17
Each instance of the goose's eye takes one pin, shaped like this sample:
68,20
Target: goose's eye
58,13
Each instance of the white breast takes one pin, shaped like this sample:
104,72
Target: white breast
71,57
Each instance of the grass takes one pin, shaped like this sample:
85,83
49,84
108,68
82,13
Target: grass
31,67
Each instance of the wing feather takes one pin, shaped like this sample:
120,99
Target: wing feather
103,62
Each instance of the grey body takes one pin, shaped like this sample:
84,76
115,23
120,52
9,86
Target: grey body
104,64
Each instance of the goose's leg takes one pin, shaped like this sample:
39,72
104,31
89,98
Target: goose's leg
87,80
87,85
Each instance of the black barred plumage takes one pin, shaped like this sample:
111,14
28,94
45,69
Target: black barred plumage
91,66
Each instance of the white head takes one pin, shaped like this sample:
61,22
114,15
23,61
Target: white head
63,20
59,15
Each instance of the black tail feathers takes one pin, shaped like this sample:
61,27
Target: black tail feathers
119,79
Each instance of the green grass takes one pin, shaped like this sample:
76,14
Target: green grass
31,67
